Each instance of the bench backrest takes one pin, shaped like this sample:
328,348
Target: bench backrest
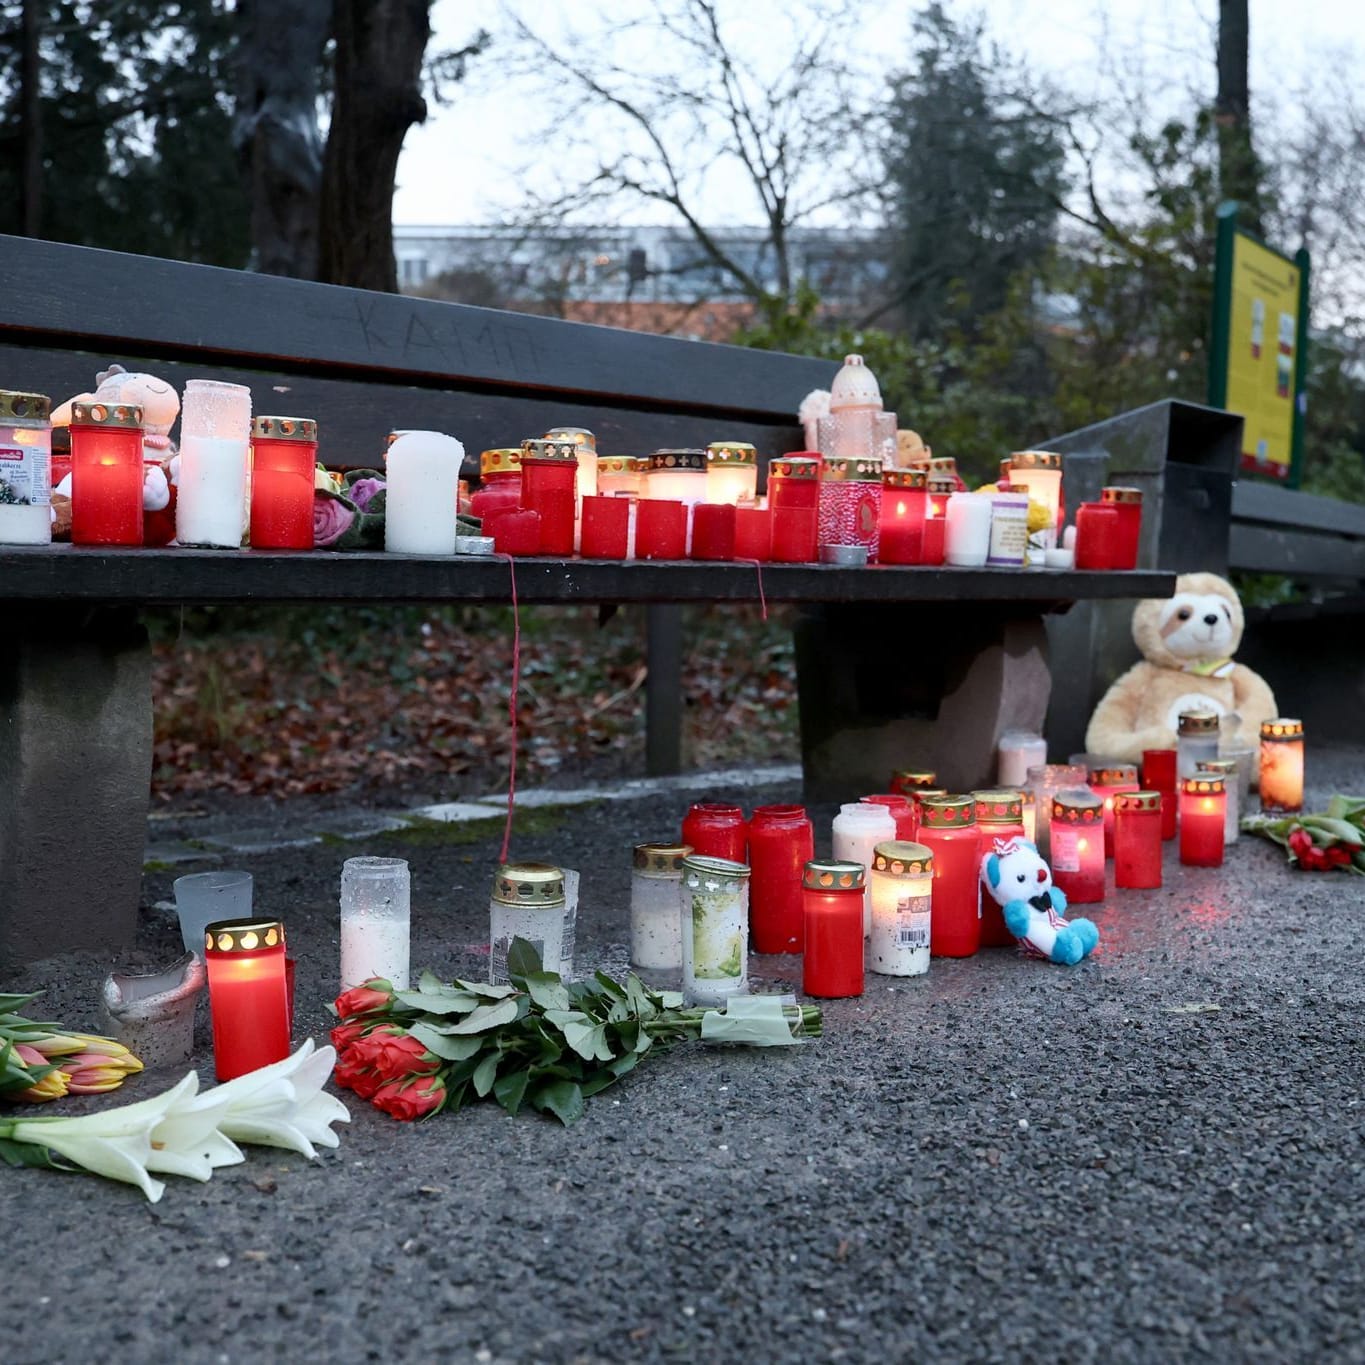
1276,530
365,363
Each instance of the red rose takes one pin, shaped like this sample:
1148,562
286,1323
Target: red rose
369,1050
403,1056
366,999
346,1034
408,1100
353,1074
1337,856
1300,841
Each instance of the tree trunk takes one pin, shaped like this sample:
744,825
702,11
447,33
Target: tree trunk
1238,169
275,129
379,47
30,123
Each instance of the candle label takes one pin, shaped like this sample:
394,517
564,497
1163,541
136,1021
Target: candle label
25,466
900,938
912,922
1066,852
1009,532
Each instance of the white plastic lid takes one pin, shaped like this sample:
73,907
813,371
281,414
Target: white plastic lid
855,386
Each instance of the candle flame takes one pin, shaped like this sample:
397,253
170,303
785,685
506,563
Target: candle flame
900,509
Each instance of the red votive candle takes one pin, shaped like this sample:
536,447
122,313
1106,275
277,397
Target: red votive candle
793,535
794,482
947,828
832,909
902,812
1127,504
1097,528
999,816
1077,843
753,533
606,527
500,482
1137,840
1106,783
935,520
660,529
248,994
549,478
1159,775
106,474
514,533
781,843
717,831
904,501
713,536
1203,815
284,457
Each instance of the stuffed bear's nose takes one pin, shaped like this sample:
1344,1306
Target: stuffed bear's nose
1211,619
1042,874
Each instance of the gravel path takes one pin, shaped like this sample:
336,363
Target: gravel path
1000,1161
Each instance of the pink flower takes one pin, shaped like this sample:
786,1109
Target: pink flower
331,519
362,490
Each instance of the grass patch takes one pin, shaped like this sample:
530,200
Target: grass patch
425,833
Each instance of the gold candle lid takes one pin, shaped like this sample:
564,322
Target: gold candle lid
617,464
794,467
901,858
1132,802
848,469
700,867
1203,784
543,448
501,460
946,812
942,486
1224,767
1035,459
243,935
1113,774
1079,807
943,466
1282,728
96,414
905,478
33,407
907,779
999,807
284,429
683,461
1198,723
732,453
660,860
833,874
577,436
1124,495
539,885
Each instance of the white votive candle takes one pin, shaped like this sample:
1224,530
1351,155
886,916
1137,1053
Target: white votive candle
215,445
422,497
967,534
375,921
857,831
1019,750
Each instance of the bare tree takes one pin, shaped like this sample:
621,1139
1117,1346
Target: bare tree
1239,172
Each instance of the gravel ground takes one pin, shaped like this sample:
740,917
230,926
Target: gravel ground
1000,1161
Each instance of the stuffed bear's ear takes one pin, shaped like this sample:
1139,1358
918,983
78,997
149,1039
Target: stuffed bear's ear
992,869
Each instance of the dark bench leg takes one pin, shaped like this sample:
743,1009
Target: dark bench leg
917,686
75,763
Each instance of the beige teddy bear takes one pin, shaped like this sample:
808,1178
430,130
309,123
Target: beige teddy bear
1187,643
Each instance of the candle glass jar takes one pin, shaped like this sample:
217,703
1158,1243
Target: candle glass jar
1107,780
1077,836
215,437
905,499
856,832
753,534
1159,774
716,830
968,530
715,929
617,475
1019,751
549,483
935,520
1282,766
106,474
284,456
1203,814
661,529
676,476
25,468
1226,768
1127,505
1040,471
832,907
376,921
902,811
731,472
585,446
1196,741
529,901
606,528
999,817
500,482
794,482
902,899
1137,840
948,829
1029,807
850,502
781,843
713,531
248,994
1046,780
1247,761
204,898
1097,528
655,922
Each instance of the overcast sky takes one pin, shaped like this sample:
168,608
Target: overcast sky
457,168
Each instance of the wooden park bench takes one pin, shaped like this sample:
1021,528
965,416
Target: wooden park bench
898,665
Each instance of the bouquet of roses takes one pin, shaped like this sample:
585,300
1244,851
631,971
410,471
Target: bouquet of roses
44,1061
1335,838
539,1040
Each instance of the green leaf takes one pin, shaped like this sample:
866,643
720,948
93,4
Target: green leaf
670,1000
612,988
547,990
444,1046
485,991
596,1082
28,1154
16,1002
489,1016
643,1043
460,1003
622,1065
522,959
564,1099
589,1040
484,1074
510,1090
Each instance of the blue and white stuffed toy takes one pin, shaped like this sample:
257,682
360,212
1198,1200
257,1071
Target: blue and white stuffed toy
1021,883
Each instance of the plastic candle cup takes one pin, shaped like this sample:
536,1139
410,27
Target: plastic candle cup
26,457
905,499
1077,837
616,475
499,482
1281,766
999,816
549,479
947,828
661,530
794,481
1159,774
850,502
1018,751
204,898
606,527
1097,528
376,921
1106,781
1247,760
1196,741
1127,505
585,447
106,475
284,456
716,830
713,531
781,843
215,442
935,521
1040,471
832,906
1203,815
753,534
1137,840
902,810
675,476
655,923
731,472
514,532
1030,814
715,929
794,535
529,901
1009,528
902,903
1046,779
1226,768
857,830
248,994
